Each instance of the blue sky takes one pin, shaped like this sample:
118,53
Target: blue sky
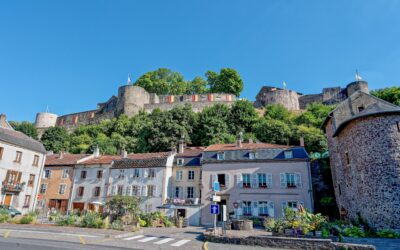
71,55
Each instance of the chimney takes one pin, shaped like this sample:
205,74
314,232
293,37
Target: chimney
302,141
181,147
96,152
239,140
124,154
3,118
61,156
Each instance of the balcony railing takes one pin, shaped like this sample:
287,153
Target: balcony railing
13,187
178,201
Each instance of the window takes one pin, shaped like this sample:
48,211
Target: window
31,180
290,180
18,157
35,161
263,208
83,174
136,190
81,191
13,177
152,173
398,129
43,188
190,192
27,201
120,190
121,174
47,174
65,173
128,190
178,192
347,158
288,154
179,175
360,109
252,155
247,208
61,189
292,205
262,181
96,192
221,156
246,180
180,162
2,150
222,180
136,173
150,190
99,174
190,175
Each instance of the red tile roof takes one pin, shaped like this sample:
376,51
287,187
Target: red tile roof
246,146
67,159
102,159
144,160
191,152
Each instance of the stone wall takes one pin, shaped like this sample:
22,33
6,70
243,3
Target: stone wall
367,181
270,95
304,100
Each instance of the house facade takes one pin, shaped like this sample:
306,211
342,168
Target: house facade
147,176
21,164
57,181
256,179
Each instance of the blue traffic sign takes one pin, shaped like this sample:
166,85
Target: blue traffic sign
216,187
215,209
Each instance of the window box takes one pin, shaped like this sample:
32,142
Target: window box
246,186
263,186
291,186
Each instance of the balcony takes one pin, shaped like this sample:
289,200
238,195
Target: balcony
12,187
178,201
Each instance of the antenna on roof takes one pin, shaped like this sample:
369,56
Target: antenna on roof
358,77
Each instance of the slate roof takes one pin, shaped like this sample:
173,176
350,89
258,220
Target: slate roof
143,160
248,146
191,152
67,159
21,140
102,159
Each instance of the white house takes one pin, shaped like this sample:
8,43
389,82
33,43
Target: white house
21,164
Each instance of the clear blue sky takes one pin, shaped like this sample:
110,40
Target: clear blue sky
70,55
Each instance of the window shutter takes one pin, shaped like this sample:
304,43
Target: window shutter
181,193
144,190
194,192
141,172
298,180
145,173
128,190
239,210
283,179
271,210
184,192
239,180
213,178
227,180
155,191
269,180
284,205
254,181
113,190
254,209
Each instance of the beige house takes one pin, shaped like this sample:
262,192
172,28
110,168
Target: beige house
256,179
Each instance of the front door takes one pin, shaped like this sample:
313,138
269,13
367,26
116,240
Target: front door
78,206
7,200
222,202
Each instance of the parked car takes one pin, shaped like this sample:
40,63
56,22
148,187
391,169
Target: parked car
12,211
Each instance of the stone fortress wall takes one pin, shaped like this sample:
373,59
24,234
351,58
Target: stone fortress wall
130,100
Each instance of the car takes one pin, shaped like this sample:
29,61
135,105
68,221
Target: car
11,210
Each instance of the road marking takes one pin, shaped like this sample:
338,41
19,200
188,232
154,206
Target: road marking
134,237
147,239
44,232
82,240
163,241
123,235
180,243
6,234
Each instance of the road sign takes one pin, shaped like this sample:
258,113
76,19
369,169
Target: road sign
216,187
216,198
215,209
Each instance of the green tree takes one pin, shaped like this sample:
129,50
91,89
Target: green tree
242,117
198,86
80,144
273,131
55,139
391,94
314,138
25,127
227,81
119,206
278,112
315,114
162,81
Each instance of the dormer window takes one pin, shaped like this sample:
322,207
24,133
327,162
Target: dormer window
360,109
288,154
220,156
252,155
180,162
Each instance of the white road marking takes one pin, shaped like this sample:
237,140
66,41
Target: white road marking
180,243
123,235
147,239
163,241
134,237
44,232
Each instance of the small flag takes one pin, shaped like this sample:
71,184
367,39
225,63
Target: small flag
129,80
284,85
358,77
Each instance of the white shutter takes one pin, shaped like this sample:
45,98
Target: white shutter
141,172
298,180
254,181
194,192
128,190
239,210
145,173
155,191
180,193
283,179
284,205
226,180
254,208
239,180
144,190
271,209
213,178
269,180
184,193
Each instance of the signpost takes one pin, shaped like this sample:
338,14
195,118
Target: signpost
215,209
215,206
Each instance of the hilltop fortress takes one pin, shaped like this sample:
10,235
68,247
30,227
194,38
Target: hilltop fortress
131,99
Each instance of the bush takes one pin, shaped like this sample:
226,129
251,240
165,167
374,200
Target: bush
106,223
68,220
269,224
168,222
354,232
4,216
27,219
142,223
92,220
387,233
117,225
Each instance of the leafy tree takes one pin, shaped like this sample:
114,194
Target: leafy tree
162,81
80,143
273,131
55,139
25,127
227,81
391,94
242,117
278,112
120,206
314,138
198,86
315,114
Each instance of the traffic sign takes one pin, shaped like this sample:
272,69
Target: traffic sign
215,209
216,198
216,187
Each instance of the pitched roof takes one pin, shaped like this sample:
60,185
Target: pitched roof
245,146
143,160
191,152
102,159
21,140
67,159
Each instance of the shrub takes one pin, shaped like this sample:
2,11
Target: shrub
142,223
27,219
68,220
354,232
168,222
325,233
92,220
106,223
117,225
387,233
269,224
4,216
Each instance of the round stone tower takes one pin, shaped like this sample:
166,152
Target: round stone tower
271,95
44,120
357,86
131,99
